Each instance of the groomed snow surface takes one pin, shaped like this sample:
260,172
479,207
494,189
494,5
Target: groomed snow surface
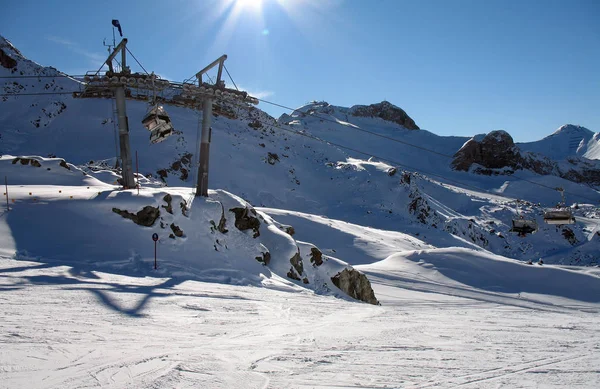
82,306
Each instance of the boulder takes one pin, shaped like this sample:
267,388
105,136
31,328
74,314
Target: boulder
176,230
6,61
316,257
245,219
386,111
356,285
496,150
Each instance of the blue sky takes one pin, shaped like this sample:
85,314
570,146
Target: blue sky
457,67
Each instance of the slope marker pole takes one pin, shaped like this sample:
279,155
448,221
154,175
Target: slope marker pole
137,172
6,185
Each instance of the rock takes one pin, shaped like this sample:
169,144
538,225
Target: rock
496,150
272,158
6,61
146,217
386,111
27,161
316,257
296,262
184,208
265,259
392,171
64,164
245,219
256,124
288,230
176,230
569,235
356,285
221,227
169,207
292,274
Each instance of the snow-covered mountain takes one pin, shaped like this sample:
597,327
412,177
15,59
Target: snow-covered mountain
568,141
360,164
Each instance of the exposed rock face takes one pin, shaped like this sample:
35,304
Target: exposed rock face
6,61
27,161
386,111
356,285
316,257
265,258
146,217
296,262
169,200
496,150
245,219
176,230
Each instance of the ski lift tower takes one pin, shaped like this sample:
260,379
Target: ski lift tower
123,84
119,91
202,188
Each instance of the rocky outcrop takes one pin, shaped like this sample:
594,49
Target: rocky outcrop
386,111
356,285
316,257
6,61
497,154
27,161
146,217
245,219
169,200
496,150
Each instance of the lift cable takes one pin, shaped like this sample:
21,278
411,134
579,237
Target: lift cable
231,78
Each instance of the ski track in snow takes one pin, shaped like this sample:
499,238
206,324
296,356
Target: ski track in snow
198,334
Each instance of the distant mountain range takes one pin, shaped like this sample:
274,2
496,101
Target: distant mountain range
369,165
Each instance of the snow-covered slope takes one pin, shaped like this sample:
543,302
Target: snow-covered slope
569,140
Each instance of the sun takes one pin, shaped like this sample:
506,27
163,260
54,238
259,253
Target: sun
249,4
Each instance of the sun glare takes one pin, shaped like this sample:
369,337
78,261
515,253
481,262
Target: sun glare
252,4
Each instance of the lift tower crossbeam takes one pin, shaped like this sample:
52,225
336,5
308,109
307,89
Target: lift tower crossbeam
124,85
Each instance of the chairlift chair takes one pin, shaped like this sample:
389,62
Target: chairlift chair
561,214
158,122
523,226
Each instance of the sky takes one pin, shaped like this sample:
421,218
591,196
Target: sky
459,67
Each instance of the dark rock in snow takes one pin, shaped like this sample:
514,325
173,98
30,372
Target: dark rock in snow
296,262
316,257
496,150
265,258
176,230
27,161
169,207
356,285
146,217
6,61
245,219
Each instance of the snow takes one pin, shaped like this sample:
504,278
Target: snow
568,140
122,331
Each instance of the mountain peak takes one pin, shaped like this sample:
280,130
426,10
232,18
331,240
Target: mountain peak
572,129
386,111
